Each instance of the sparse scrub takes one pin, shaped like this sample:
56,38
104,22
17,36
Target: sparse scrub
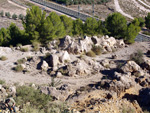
90,54
3,58
18,68
128,110
14,16
97,50
21,61
24,49
36,45
137,57
19,45
2,13
28,94
54,83
2,82
21,17
29,109
7,14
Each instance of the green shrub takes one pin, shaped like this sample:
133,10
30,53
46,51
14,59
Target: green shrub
2,13
7,14
19,45
146,32
18,68
36,45
14,16
90,54
2,82
137,57
24,49
21,61
97,50
30,109
28,94
3,58
21,17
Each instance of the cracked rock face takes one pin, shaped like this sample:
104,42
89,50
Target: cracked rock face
130,66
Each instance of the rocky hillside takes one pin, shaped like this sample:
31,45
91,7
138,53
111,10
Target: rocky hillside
91,74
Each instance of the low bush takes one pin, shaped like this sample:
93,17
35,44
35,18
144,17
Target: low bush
24,49
21,61
97,50
21,17
2,82
36,46
18,68
137,57
19,45
7,14
90,54
2,13
27,94
30,109
14,16
3,58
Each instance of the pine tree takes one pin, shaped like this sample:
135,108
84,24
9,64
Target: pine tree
77,27
116,24
90,26
68,24
58,26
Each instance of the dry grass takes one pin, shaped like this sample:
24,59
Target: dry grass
129,7
3,58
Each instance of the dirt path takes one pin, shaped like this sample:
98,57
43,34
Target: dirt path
118,8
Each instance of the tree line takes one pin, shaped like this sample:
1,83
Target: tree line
41,28
75,2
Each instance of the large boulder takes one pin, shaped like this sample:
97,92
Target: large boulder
120,43
130,66
96,40
146,63
111,41
73,48
81,68
105,62
120,83
76,47
12,90
54,60
86,44
64,43
64,56
44,66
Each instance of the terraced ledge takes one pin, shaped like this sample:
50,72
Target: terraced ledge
145,4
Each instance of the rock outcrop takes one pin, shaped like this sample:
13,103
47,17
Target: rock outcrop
130,66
